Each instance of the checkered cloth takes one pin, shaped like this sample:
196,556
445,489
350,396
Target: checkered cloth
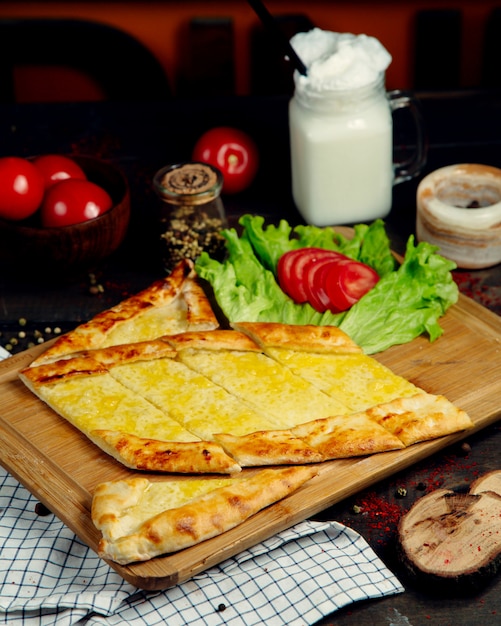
49,577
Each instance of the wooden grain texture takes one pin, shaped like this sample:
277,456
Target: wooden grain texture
61,467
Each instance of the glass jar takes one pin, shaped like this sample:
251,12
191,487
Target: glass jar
192,215
341,140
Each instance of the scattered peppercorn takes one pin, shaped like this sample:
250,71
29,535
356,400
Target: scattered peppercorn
465,448
221,607
42,510
188,233
16,340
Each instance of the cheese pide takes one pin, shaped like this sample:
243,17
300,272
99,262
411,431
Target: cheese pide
158,385
218,400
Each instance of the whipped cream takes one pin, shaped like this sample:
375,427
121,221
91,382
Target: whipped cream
338,60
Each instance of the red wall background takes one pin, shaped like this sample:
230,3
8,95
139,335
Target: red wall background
161,26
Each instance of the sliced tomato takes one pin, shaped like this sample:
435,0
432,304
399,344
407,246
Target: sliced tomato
346,283
291,270
326,279
317,293
314,280
284,272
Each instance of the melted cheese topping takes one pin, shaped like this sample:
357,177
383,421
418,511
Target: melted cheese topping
357,380
101,402
150,324
261,382
162,496
190,398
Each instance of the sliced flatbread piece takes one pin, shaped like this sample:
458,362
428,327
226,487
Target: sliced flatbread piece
204,408
256,379
188,457
84,393
420,418
302,338
140,519
343,436
272,447
170,305
331,363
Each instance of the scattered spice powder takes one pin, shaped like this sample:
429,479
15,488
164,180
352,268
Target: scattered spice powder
381,516
473,284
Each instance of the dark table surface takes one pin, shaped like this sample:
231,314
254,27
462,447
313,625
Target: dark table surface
141,138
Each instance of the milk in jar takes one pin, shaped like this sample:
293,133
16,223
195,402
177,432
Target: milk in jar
341,129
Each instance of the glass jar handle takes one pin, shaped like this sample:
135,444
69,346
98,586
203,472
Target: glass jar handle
412,167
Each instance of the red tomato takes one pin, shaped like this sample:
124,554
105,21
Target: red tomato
73,201
290,285
233,152
326,279
291,266
56,167
346,283
21,188
315,272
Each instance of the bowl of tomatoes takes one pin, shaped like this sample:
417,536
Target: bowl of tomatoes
60,214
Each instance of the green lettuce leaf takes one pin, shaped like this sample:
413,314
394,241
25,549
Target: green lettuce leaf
407,301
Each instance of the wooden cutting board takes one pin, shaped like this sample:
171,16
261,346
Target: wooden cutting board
61,467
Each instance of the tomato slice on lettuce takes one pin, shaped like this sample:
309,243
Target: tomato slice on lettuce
291,270
345,283
314,282
284,273
326,279
319,298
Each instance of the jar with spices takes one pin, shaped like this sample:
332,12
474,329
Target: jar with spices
192,215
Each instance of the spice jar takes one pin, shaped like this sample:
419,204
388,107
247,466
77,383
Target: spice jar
191,212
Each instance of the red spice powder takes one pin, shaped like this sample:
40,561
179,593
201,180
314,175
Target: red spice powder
473,284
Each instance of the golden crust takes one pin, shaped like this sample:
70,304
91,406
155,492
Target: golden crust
55,372
179,291
202,518
344,436
95,362
420,417
387,426
194,457
271,447
216,340
306,338
199,313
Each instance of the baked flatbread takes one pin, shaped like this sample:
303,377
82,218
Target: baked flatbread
301,338
121,422
160,387
328,359
207,401
420,417
255,378
140,519
171,305
211,401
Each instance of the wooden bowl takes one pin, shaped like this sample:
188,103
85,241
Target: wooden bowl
29,249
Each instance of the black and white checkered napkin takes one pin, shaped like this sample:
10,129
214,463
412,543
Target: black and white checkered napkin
49,577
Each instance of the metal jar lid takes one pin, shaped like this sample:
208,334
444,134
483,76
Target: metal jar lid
188,183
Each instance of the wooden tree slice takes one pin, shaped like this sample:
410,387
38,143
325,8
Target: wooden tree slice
454,539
